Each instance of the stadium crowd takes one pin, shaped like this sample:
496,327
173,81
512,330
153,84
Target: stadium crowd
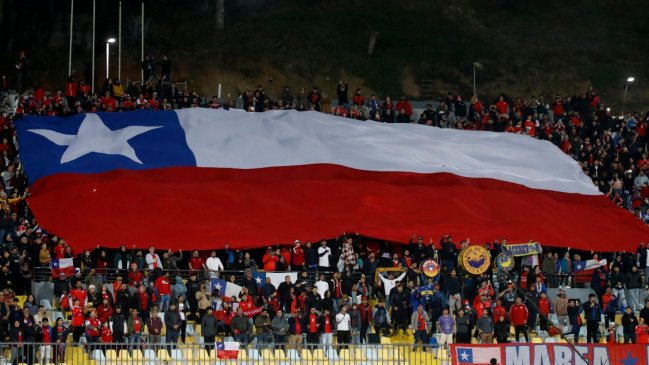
351,288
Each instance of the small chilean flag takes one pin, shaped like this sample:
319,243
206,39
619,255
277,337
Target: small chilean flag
62,266
227,350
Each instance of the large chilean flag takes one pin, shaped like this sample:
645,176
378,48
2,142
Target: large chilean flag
210,177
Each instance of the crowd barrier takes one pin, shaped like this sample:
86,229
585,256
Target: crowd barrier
550,354
44,274
231,353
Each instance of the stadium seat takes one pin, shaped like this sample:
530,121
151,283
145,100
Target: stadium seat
306,355
190,330
124,356
163,355
331,354
344,355
98,357
137,356
292,355
267,354
279,354
359,354
371,353
149,354
386,340
111,354
537,340
46,304
550,340
318,354
177,354
253,354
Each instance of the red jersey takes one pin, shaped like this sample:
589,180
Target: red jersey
106,335
77,316
641,333
327,325
47,334
135,278
313,323
270,262
518,314
59,251
93,327
197,263
163,285
65,302
79,294
502,107
544,306
298,256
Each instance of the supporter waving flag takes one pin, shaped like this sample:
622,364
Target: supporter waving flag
251,179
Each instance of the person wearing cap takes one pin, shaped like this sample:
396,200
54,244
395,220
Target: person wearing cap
297,256
296,329
208,329
172,321
381,318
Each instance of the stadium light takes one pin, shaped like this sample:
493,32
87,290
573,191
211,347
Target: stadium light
629,80
109,41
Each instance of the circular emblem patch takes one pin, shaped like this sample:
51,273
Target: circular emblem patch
505,261
475,260
430,268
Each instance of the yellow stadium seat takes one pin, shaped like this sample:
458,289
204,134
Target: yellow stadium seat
279,354
110,354
267,354
137,356
386,340
537,340
124,356
345,355
306,354
318,354
359,354
163,355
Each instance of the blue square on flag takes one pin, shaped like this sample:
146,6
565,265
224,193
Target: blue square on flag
260,278
464,355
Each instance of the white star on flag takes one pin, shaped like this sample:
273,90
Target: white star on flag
258,280
95,136
218,286
464,356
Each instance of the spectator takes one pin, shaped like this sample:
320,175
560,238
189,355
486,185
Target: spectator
343,327
172,322
502,328
327,327
135,327
311,257
241,328
486,328
263,325
574,319
629,322
462,325
519,315
446,328
44,336
420,324
593,314
179,288
182,311
163,287
642,332
280,329
324,256
59,336
118,325
270,260
154,326
208,329
214,264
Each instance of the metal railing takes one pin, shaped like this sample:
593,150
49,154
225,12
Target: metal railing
44,274
144,353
